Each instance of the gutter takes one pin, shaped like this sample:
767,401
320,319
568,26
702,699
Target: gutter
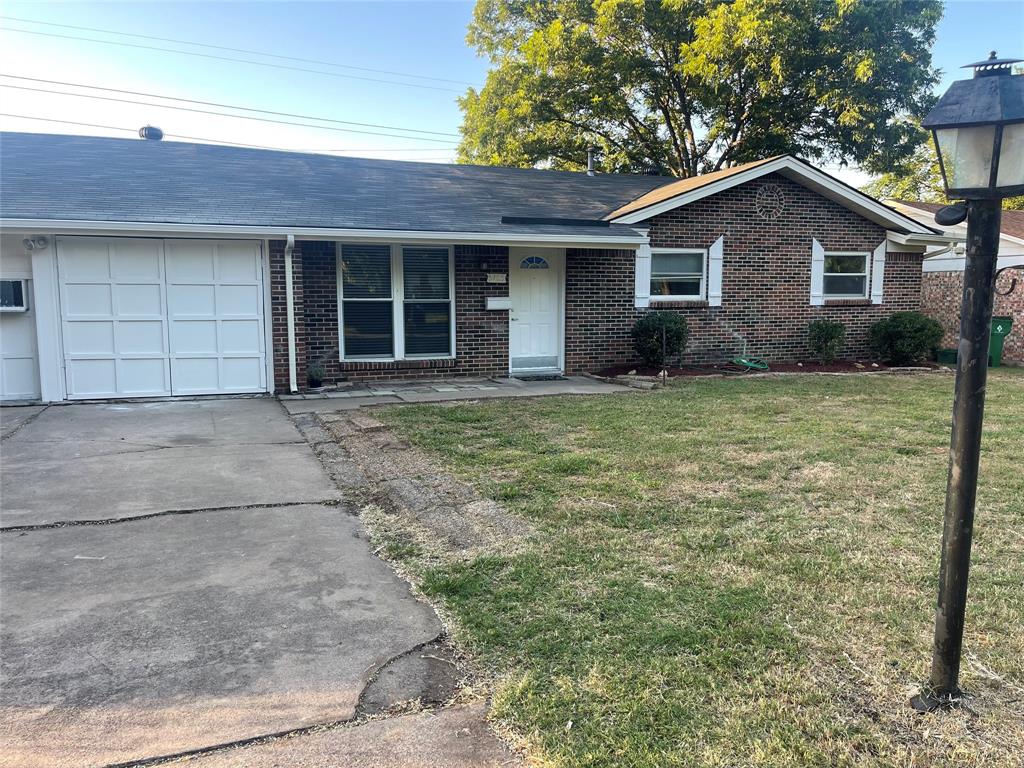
289,288
251,232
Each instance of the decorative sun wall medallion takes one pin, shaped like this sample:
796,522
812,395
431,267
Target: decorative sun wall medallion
769,202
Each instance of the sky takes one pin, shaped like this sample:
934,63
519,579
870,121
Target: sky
396,66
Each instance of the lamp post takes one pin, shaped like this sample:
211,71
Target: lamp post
978,128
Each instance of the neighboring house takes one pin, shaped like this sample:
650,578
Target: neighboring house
158,268
943,280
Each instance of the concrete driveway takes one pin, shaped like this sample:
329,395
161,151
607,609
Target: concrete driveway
181,576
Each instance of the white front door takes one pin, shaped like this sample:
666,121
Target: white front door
535,321
149,317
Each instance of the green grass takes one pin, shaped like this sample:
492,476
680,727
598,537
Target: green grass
735,572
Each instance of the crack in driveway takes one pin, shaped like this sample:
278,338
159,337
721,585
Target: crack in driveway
338,503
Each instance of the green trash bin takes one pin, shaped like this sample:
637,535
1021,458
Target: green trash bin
1001,327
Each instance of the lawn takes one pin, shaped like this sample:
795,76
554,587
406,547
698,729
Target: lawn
734,572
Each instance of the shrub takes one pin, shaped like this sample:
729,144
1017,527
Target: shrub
659,337
315,374
826,337
905,337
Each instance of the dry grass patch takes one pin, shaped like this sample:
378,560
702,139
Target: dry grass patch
735,572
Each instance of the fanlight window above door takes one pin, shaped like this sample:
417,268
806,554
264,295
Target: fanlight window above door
533,262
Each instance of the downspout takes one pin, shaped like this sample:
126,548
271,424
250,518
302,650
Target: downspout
289,293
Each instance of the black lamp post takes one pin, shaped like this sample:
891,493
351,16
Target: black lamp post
978,127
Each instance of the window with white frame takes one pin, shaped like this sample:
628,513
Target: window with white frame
395,302
846,275
677,275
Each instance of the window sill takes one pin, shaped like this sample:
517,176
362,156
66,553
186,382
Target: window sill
677,303
847,302
388,365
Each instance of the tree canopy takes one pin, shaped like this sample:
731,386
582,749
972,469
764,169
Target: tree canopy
691,86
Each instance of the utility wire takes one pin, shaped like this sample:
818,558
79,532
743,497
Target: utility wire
224,114
226,106
200,138
228,58
235,50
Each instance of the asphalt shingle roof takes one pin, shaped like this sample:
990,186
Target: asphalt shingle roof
45,176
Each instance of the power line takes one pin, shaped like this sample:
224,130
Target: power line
226,106
228,58
200,138
223,114
235,50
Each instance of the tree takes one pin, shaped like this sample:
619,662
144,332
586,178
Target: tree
691,86
917,179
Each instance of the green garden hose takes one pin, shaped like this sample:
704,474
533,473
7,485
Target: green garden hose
750,363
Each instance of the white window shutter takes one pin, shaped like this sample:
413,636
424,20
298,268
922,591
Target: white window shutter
817,273
715,272
878,274
642,291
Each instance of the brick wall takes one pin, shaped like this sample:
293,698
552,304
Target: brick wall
942,293
766,280
481,334
765,292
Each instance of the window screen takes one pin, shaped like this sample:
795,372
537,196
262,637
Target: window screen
427,310
366,301
677,274
846,274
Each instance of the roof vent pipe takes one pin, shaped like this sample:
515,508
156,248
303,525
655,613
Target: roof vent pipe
590,160
151,132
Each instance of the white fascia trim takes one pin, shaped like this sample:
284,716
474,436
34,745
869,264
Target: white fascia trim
903,238
789,167
114,228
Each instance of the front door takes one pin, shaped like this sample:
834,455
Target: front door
535,321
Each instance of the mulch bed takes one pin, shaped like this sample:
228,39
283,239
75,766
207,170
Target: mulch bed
809,366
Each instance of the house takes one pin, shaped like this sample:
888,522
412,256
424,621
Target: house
149,268
942,283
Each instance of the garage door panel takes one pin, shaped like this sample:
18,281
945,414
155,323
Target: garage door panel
192,300
196,375
87,300
241,336
140,300
90,337
242,374
190,262
141,337
238,263
86,261
243,300
97,378
156,317
194,336
136,260
142,376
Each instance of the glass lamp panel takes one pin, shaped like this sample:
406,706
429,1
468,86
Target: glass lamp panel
1011,157
967,155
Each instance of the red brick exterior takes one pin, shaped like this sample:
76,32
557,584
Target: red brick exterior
766,280
481,335
942,293
765,290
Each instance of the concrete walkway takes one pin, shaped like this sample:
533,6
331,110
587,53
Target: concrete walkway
184,577
359,395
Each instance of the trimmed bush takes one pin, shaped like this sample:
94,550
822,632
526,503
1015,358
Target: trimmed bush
826,338
905,338
659,337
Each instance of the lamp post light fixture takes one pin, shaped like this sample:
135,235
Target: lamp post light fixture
978,128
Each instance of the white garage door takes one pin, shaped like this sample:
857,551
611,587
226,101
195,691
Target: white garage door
145,317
